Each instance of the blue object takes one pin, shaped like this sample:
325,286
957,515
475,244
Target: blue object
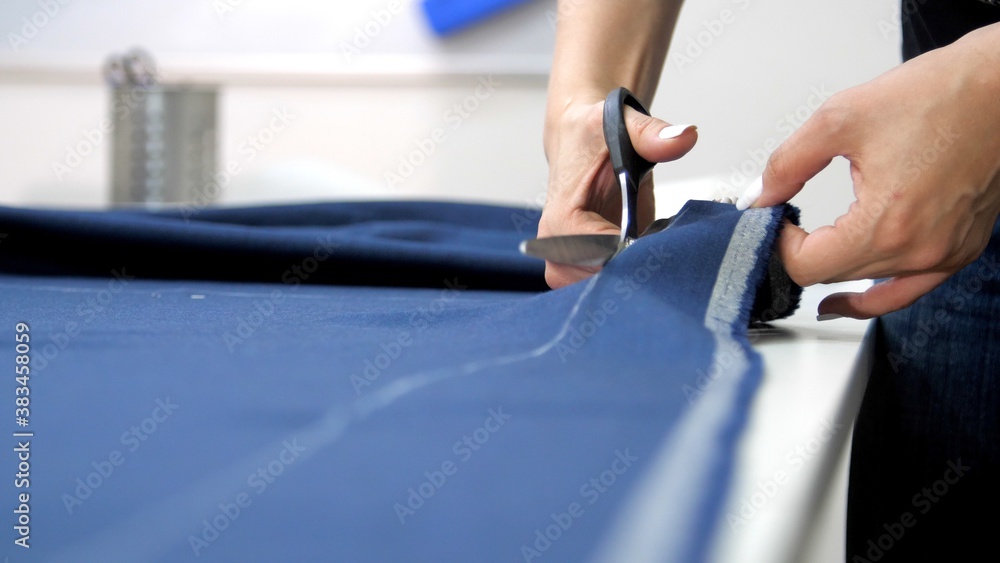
196,395
449,16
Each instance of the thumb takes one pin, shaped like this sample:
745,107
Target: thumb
803,155
656,140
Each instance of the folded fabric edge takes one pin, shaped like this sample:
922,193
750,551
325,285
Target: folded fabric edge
695,463
777,296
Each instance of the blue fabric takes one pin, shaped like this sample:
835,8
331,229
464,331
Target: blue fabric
186,404
371,243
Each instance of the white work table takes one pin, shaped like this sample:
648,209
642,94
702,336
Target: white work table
789,492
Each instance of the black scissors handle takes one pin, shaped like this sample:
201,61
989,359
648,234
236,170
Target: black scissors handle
630,168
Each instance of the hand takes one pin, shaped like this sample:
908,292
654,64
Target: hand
924,148
583,194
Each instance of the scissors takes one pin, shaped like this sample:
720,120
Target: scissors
630,169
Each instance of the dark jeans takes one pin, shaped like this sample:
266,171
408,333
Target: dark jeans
925,464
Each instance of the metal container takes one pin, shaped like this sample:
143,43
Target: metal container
164,140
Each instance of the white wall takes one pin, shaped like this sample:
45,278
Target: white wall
357,116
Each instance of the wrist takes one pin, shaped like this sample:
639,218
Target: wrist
565,112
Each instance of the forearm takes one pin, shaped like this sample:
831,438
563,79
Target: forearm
602,44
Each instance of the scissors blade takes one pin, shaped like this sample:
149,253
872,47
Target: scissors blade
576,250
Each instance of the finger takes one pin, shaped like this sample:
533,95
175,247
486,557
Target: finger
803,155
585,222
560,275
821,256
891,295
843,251
656,140
836,253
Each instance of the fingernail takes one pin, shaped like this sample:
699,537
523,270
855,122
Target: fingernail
829,316
674,131
751,194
